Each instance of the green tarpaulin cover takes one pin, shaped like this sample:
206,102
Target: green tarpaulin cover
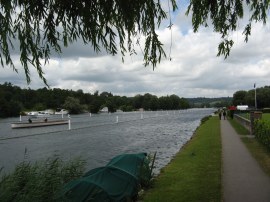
119,180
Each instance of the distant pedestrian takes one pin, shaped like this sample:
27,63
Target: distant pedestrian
224,114
220,114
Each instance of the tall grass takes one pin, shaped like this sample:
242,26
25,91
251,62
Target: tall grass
40,181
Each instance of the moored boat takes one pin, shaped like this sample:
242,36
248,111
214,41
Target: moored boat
31,124
32,114
61,111
43,114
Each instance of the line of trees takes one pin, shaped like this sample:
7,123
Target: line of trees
243,97
14,100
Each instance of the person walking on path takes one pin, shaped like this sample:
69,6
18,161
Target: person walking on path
224,114
220,114
243,180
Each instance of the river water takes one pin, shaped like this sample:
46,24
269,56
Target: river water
98,138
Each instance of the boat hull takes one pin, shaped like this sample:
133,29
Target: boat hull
38,124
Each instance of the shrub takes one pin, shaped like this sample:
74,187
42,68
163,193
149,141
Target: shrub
262,132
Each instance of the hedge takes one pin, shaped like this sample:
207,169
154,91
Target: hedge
262,132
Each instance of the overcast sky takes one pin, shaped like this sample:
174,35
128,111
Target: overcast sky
194,70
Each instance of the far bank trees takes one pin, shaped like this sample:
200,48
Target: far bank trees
243,97
13,100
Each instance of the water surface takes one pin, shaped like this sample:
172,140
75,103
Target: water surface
98,138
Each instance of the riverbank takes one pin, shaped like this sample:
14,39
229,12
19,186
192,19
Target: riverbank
194,174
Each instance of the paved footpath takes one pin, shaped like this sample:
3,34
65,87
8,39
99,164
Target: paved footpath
243,179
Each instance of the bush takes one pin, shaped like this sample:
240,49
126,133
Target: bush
262,132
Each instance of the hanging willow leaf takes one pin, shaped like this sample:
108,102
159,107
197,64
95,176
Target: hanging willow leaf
225,15
44,26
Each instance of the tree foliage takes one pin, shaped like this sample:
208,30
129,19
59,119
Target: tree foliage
13,100
40,27
239,98
73,105
225,16
248,97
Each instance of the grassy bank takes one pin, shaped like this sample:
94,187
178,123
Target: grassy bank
241,130
257,149
195,172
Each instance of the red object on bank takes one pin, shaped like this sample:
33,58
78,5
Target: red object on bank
232,108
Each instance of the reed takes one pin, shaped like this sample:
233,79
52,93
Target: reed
39,181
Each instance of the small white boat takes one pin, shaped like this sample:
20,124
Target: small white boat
31,124
43,114
32,114
61,111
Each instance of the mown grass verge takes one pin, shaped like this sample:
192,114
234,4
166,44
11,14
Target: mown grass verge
241,130
257,149
195,172
259,152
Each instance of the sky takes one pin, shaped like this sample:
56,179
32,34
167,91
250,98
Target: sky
193,71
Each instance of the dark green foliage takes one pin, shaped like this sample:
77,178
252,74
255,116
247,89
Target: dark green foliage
73,105
40,181
209,102
43,27
231,113
13,100
242,97
239,98
262,132
10,104
225,16
9,109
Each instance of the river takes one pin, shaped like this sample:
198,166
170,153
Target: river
97,138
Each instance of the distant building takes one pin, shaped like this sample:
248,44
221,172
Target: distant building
242,107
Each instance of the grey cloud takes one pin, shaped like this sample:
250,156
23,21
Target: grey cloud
194,70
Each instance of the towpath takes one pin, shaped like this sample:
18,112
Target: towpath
243,179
